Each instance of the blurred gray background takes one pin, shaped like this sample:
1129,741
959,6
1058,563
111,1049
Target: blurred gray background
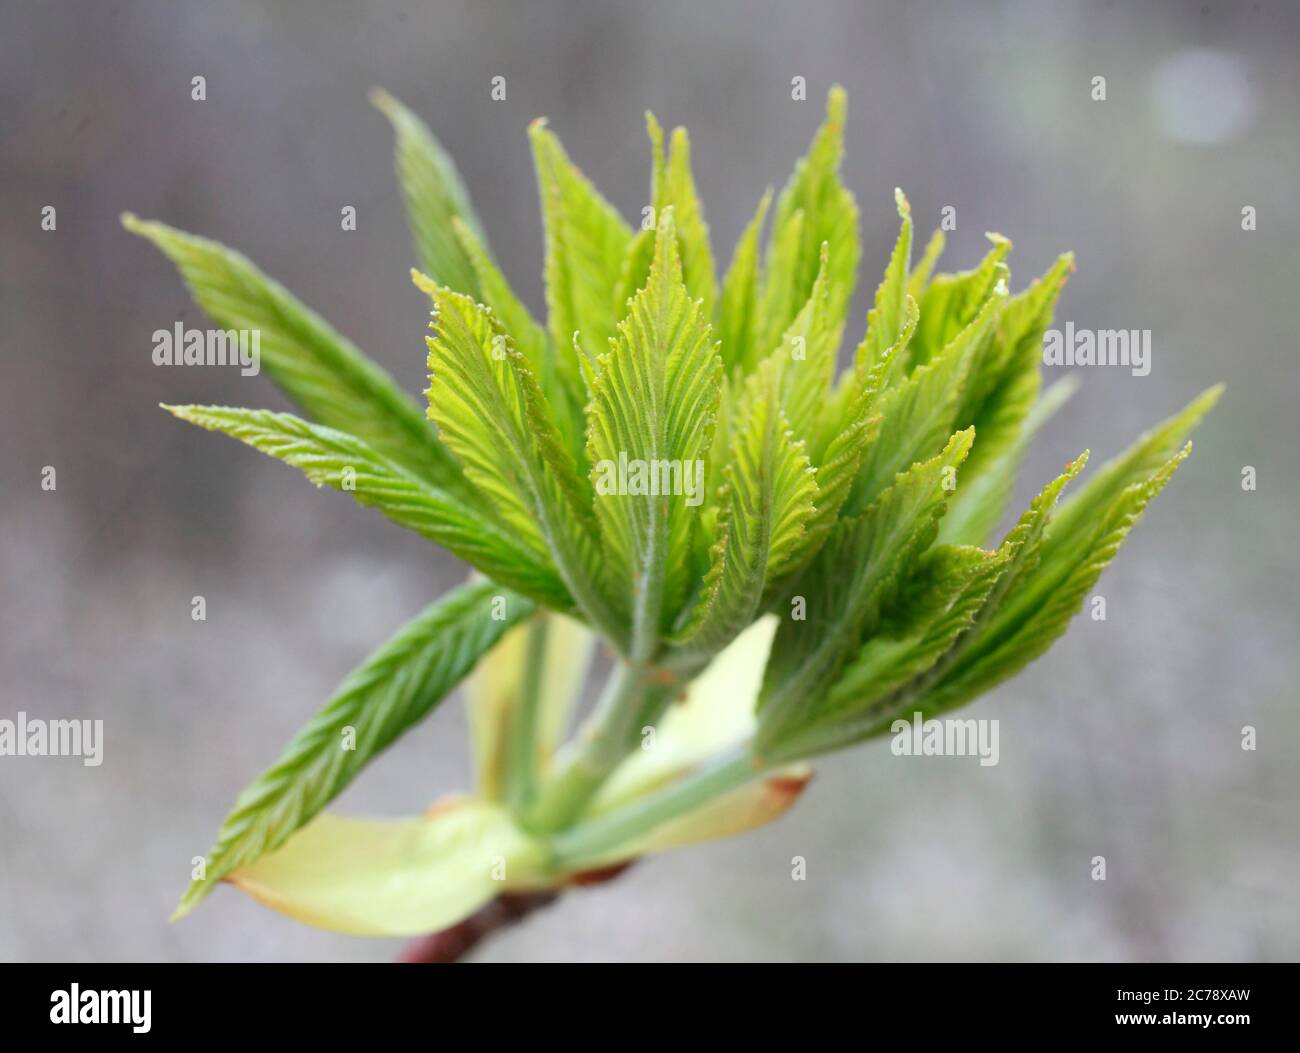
1123,742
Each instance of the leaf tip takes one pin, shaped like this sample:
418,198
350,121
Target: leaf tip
999,241
837,101
384,102
424,283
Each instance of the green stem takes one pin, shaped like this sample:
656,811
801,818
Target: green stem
588,841
632,696
521,745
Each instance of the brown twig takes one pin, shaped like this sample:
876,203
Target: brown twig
453,943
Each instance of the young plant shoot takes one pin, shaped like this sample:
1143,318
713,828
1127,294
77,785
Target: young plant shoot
781,559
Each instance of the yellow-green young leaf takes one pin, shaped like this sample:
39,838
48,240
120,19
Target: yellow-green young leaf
1005,380
1077,544
929,622
814,208
890,316
1149,452
737,316
391,691
957,581
921,412
396,877
982,498
835,470
320,370
674,187
920,276
529,338
520,698
1008,378
767,497
491,413
636,266
435,196
804,361
585,243
847,428
332,458
736,812
842,593
1044,599
780,292
951,301
649,425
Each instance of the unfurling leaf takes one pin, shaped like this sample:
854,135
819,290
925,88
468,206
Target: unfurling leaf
846,587
391,691
585,242
814,209
492,414
320,370
395,877
435,197
652,412
767,497
331,458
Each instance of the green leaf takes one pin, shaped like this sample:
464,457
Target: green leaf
1078,543
332,458
435,198
672,186
391,691
675,189
951,302
781,293
845,589
529,339
491,413
921,412
983,496
919,279
1006,380
320,370
1148,453
890,316
653,405
585,242
396,877
957,581
928,624
737,317
814,208
635,268
804,360
767,497
845,430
